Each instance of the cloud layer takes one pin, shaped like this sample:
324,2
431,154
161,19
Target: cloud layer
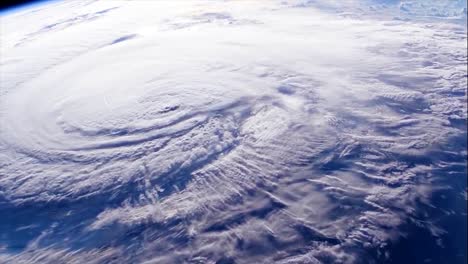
221,132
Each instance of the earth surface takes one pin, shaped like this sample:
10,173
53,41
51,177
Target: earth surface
293,131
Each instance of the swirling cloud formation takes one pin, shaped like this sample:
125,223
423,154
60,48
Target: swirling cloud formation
225,132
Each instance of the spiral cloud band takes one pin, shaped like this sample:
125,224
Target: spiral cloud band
226,132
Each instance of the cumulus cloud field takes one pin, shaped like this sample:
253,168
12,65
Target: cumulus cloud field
228,131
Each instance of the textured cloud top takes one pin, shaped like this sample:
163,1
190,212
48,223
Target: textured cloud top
226,132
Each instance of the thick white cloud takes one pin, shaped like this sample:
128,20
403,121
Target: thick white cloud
176,131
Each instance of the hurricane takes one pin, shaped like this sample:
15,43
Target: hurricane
233,132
